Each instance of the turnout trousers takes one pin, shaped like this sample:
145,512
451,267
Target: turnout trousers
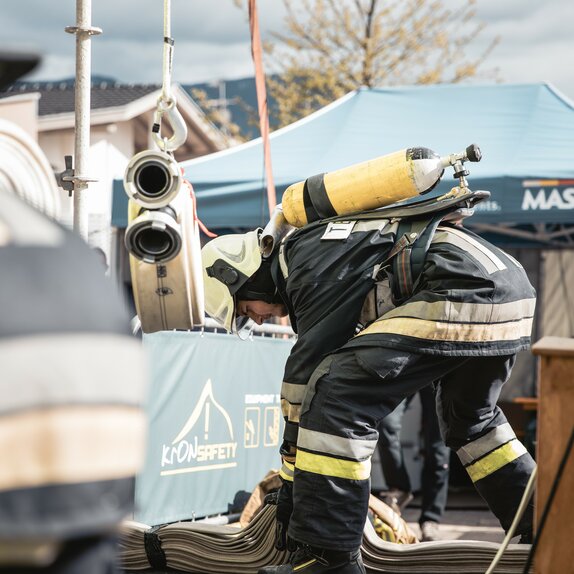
349,394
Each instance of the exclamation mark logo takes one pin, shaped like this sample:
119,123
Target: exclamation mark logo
207,405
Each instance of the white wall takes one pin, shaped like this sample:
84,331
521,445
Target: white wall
111,147
22,110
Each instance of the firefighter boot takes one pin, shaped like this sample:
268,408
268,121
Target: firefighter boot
309,560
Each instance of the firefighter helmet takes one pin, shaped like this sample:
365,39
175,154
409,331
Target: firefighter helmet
228,262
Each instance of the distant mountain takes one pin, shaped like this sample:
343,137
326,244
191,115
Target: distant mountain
236,97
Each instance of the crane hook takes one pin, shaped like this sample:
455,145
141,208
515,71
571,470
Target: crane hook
168,108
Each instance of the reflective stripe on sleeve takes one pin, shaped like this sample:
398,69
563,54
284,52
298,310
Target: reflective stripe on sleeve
70,444
290,412
293,393
489,260
335,445
496,460
328,466
71,368
481,446
287,471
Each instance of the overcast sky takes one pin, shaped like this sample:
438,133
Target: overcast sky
212,38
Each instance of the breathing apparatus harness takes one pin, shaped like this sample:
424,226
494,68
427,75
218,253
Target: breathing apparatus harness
417,223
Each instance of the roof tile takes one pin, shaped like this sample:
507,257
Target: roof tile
58,97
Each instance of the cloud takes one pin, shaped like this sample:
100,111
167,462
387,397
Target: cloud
535,39
212,38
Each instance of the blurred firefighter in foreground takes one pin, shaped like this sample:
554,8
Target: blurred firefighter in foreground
460,310
71,425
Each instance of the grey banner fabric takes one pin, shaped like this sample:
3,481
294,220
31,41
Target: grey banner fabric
215,422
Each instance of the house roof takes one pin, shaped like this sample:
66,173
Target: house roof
112,101
58,97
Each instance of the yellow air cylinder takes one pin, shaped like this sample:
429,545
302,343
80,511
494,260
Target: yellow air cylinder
363,186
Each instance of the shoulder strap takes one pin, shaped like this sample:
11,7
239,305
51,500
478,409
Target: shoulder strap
410,250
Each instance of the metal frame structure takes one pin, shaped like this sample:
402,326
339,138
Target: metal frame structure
83,31
546,235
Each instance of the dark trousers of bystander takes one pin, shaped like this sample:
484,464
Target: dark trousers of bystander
436,455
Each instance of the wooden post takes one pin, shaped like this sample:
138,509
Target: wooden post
555,552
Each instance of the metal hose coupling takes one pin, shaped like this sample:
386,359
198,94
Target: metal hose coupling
152,179
154,236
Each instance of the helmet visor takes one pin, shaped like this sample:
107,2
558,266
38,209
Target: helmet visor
243,327
219,304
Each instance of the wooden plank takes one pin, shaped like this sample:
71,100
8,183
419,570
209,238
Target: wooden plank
554,347
555,422
528,403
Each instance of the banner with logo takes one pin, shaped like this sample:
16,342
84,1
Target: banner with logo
527,201
215,422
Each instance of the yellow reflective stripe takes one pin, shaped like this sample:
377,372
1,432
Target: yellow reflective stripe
304,565
285,476
287,471
495,460
291,412
465,312
458,332
328,466
481,446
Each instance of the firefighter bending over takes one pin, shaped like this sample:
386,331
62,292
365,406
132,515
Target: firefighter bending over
457,320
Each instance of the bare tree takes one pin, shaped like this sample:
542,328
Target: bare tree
217,113
331,47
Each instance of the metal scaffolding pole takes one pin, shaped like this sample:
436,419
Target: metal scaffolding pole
83,31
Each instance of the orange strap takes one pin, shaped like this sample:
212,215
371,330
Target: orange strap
256,52
195,216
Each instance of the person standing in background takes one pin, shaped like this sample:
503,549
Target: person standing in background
435,471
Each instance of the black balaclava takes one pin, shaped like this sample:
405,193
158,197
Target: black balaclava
260,286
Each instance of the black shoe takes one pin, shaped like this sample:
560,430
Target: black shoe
309,560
